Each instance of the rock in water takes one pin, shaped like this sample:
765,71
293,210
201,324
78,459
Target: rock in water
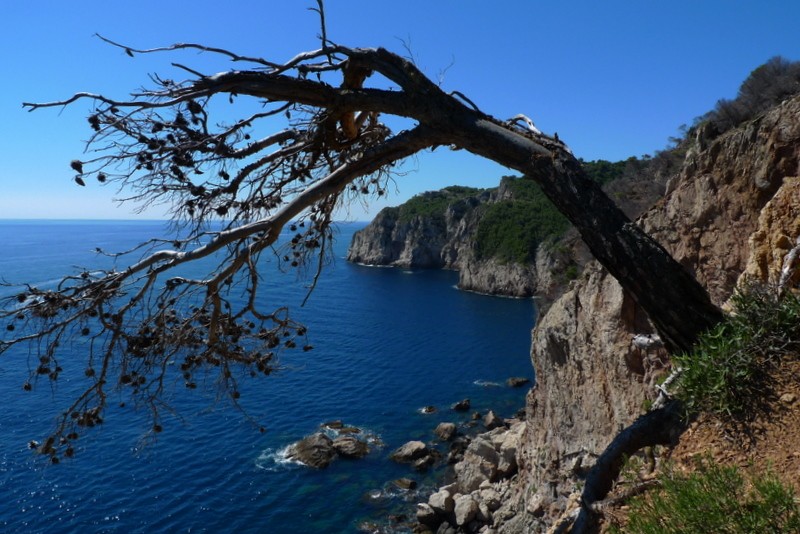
350,447
315,451
462,406
445,431
411,451
517,381
405,483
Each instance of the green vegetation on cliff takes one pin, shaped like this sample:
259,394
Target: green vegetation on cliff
728,373
716,499
434,203
511,230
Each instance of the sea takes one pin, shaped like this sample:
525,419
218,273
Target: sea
387,342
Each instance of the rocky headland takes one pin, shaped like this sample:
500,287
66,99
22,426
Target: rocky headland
439,229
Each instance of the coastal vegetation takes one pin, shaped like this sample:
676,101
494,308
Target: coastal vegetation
434,203
729,372
715,498
766,86
510,230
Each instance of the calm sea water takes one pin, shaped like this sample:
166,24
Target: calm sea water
387,342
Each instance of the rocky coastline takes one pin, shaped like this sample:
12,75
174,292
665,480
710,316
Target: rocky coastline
446,241
730,210
473,454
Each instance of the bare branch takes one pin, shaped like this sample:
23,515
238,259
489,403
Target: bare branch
313,143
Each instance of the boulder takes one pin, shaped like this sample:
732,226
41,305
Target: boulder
410,452
422,464
491,498
506,444
492,421
445,431
465,509
478,465
517,381
350,447
427,516
457,448
462,405
315,451
442,502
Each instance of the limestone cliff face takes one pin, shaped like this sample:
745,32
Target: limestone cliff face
446,241
734,207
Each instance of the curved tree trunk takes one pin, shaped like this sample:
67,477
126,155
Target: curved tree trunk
677,304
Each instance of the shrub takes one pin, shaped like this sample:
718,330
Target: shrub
511,230
728,372
715,499
434,203
765,87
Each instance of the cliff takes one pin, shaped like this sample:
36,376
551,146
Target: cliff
440,230
732,208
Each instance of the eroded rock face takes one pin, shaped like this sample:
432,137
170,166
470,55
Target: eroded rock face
446,242
732,208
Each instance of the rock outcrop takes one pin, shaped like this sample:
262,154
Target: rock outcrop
446,241
732,209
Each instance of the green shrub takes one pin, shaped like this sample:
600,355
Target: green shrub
434,203
728,371
715,499
511,230
602,171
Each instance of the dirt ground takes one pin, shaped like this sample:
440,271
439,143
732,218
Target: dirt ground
770,442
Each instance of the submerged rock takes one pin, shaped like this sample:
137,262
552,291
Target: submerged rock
517,381
405,483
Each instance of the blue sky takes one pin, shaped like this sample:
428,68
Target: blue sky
613,78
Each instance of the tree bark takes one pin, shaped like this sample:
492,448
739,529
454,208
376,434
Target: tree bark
676,303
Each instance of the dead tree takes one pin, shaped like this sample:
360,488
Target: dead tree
318,141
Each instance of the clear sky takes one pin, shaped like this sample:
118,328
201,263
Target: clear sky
614,78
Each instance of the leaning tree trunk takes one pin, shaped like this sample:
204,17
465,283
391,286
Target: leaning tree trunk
303,168
677,304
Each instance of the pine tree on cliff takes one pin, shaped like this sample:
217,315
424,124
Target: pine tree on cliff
164,145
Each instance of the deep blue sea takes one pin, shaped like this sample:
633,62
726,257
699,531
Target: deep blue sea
387,342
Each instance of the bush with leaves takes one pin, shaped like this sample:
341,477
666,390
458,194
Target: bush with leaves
728,372
434,203
766,86
715,499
